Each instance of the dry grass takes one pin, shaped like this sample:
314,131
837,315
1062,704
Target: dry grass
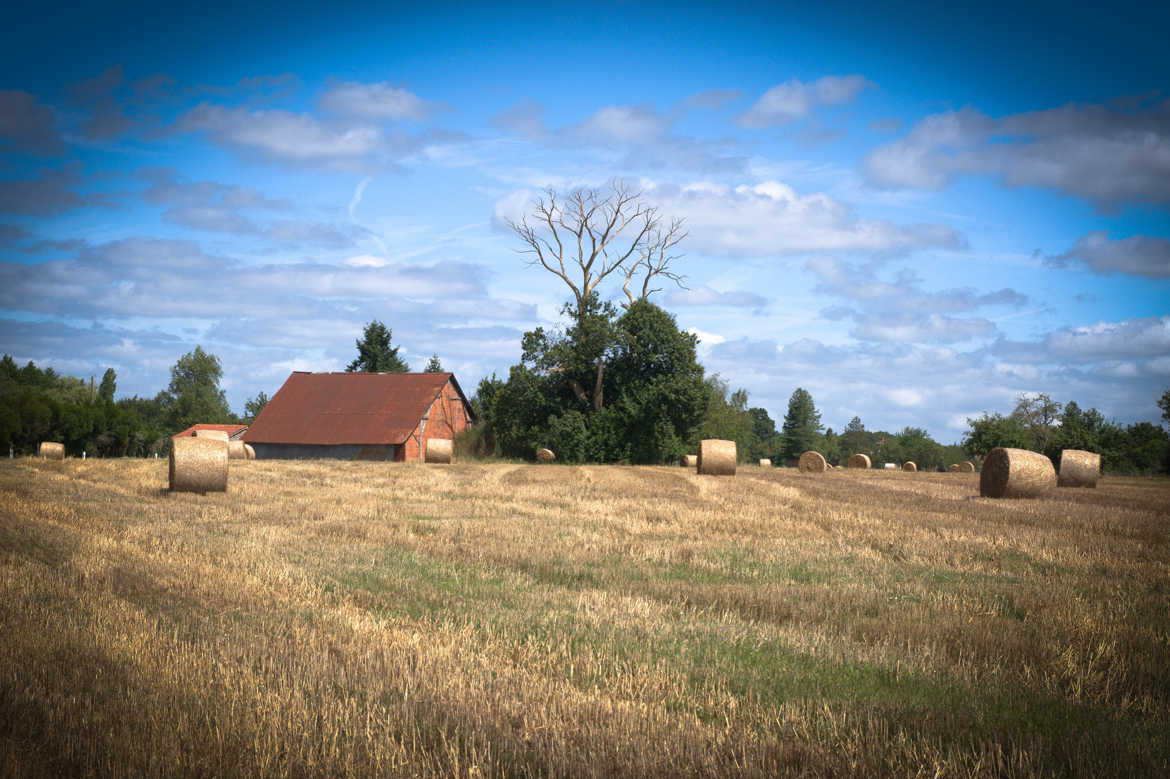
366,619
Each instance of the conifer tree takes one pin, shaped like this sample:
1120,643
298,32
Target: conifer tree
375,355
802,426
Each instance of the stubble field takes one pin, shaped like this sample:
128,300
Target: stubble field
349,618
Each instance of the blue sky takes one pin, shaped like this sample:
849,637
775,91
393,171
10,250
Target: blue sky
917,212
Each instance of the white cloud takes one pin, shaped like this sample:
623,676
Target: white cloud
706,296
366,261
901,311
624,124
375,101
358,192
771,218
794,99
284,135
630,137
140,277
1107,155
905,398
513,207
1148,337
1139,255
705,338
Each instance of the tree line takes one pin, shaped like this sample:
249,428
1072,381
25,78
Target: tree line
41,405
1043,425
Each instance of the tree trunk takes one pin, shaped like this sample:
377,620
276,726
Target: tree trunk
598,401
578,390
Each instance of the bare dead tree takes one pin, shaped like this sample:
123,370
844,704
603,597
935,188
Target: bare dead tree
590,235
654,260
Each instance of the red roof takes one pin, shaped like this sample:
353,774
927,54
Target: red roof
348,408
231,430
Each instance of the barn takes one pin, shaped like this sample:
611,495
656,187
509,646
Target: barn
359,416
234,432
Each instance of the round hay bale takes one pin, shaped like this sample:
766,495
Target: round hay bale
909,466
545,455
812,462
440,451
955,468
1079,468
237,450
717,457
966,467
765,462
250,451
50,450
689,460
1016,473
859,461
198,465
215,435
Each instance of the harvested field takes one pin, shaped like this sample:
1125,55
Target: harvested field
359,618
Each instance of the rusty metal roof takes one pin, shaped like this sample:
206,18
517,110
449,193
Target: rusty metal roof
347,408
231,430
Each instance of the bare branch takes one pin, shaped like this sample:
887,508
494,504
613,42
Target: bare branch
615,232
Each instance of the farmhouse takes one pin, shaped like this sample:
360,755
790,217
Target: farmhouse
359,416
234,432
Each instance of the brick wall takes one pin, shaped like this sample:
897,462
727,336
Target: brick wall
446,418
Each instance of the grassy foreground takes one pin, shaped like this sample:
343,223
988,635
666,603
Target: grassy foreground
336,618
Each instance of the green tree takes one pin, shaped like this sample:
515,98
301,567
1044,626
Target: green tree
916,445
1039,414
433,365
728,418
766,435
606,388
992,430
193,395
802,426
1078,430
830,447
855,440
253,406
658,395
1164,404
375,355
1146,448
584,237
108,386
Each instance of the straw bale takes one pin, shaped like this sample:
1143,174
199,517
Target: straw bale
890,467
717,457
440,451
198,465
966,467
765,462
1079,468
215,435
955,468
1016,473
689,460
51,450
248,450
812,462
910,466
236,450
545,455
858,461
